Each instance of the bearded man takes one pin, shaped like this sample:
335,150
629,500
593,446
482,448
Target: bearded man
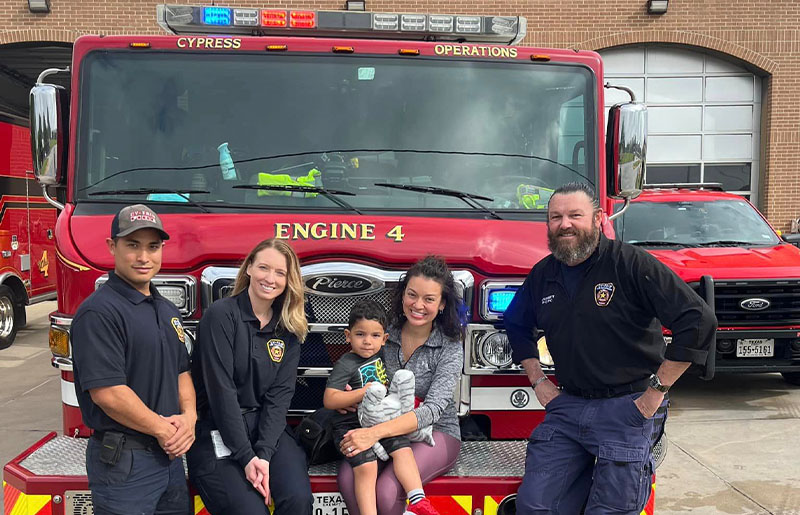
601,304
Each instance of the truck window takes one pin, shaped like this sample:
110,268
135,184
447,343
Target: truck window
159,120
717,222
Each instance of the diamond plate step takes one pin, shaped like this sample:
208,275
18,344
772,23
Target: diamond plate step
65,456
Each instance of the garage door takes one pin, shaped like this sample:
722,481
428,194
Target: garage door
704,114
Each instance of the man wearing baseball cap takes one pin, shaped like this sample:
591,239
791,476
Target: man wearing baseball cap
132,378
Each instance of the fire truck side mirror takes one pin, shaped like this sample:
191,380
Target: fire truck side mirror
47,134
626,148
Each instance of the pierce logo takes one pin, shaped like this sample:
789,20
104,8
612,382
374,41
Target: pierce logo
339,284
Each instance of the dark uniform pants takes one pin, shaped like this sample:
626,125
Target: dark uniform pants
224,489
592,452
142,482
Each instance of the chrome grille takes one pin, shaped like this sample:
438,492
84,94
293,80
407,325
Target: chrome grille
327,309
783,296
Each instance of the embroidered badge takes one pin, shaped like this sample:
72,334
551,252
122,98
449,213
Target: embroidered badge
176,324
276,348
603,293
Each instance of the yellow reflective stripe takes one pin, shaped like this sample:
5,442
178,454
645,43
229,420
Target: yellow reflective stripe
490,506
27,504
75,266
198,505
465,501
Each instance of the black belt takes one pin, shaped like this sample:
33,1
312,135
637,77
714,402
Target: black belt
133,441
608,392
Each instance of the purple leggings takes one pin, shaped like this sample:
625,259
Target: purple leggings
431,461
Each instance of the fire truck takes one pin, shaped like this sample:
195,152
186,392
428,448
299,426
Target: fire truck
366,140
27,232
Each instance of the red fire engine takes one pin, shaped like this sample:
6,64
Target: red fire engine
366,140
27,232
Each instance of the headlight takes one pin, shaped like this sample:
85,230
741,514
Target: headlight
175,294
496,296
181,290
544,353
494,350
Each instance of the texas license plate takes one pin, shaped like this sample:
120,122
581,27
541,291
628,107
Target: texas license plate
755,348
329,504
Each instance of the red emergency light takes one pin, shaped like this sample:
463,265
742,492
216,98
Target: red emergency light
271,18
303,19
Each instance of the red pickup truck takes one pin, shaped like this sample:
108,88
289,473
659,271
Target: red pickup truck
699,230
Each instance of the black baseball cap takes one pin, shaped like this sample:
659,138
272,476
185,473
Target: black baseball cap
132,218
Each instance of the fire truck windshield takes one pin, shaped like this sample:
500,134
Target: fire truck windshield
222,125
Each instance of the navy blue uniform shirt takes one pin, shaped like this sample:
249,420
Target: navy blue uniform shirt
240,367
607,332
121,337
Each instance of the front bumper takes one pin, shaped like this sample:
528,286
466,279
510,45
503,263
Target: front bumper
786,357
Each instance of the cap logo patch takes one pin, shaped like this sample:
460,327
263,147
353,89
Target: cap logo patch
176,324
147,216
276,349
603,293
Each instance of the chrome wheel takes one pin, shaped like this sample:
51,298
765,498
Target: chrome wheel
6,317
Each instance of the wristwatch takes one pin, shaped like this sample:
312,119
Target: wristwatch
655,383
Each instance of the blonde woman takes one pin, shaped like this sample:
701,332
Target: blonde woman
244,370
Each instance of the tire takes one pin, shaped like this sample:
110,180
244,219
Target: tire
791,377
9,319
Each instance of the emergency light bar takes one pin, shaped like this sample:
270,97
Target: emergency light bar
187,19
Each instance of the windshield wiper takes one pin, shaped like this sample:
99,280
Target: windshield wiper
730,243
341,151
331,195
468,198
661,243
184,194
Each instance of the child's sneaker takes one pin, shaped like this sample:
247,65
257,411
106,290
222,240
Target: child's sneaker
423,507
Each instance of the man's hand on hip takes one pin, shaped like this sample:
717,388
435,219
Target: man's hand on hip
649,402
545,392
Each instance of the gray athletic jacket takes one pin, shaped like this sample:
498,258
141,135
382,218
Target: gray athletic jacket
437,368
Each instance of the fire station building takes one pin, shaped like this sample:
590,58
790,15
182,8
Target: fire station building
719,77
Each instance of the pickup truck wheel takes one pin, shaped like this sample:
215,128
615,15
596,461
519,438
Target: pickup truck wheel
9,322
791,377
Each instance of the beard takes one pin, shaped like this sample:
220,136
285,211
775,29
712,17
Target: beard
573,252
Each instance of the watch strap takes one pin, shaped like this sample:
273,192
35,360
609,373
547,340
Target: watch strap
539,381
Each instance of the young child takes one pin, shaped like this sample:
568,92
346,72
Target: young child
363,365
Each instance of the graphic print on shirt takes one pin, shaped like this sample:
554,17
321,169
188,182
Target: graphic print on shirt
176,324
374,371
603,293
276,348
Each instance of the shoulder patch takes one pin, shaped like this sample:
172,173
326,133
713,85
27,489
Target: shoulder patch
276,348
176,324
603,292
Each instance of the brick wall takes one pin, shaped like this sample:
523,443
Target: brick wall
763,33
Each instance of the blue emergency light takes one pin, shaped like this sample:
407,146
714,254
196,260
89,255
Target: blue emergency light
498,300
217,16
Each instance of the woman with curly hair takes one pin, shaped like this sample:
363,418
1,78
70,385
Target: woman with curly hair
425,336
244,370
